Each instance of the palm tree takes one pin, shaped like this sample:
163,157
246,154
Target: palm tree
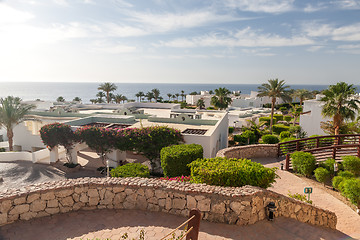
339,104
93,101
139,95
200,103
211,92
100,96
295,112
118,98
177,96
169,95
221,99
60,99
182,95
156,93
77,99
149,96
302,94
107,87
12,112
274,89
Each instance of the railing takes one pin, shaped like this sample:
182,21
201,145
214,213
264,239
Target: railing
192,229
322,147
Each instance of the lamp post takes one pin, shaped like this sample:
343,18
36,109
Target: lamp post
270,209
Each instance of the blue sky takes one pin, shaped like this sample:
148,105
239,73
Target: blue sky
187,41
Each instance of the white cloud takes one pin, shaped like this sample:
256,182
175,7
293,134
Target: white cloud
61,2
344,33
268,6
241,38
348,4
10,15
314,8
349,46
111,48
314,48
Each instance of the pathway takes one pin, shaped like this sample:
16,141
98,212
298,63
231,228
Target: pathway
348,221
112,224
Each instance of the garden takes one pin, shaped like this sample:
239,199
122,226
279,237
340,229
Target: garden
164,146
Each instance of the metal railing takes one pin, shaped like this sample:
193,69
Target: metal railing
322,147
192,229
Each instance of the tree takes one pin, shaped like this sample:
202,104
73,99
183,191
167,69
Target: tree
60,99
182,95
107,88
169,95
93,101
100,96
139,95
118,98
295,112
302,94
193,93
12,112
211,92
339,104
77,99
200,103
177,96
156,93
274,89
149,96
221,99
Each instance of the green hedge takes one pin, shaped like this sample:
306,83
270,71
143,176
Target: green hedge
231,172
270,139
174,159
287,118
279,117
231,130
131,170
285,134
303,163
351,190
278,128
329,165
322,174
351,164
338,181
267,120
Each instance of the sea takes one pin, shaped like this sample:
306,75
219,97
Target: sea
50,91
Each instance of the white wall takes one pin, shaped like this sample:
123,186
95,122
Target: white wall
23,137
193,99
310,122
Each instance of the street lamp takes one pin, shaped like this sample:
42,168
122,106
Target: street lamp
270,209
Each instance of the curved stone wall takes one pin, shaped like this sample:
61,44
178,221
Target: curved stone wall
242,206
249,151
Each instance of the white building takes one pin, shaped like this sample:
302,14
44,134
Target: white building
311,118
252,101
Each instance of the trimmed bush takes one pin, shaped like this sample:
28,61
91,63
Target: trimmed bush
346,174
288,139
322,174
267,120
240,139
338,181
231,172
294,129
231,130
270,139
351,164
174,159
278,117
303,163
249,136
351,190
131,170
285,134
278,128
287,118
329,165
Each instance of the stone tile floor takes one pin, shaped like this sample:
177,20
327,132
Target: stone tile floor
112,224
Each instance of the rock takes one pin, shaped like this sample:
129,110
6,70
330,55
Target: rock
83,198
19,209
3,218
27,215
53,203
204,205
32,197
160,194
68,201
93,201
20,200
37,205
93,193
141,202
218,208
178,203
64,193
5,206
48,196
190,202
149,193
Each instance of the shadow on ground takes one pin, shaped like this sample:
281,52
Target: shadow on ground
112,224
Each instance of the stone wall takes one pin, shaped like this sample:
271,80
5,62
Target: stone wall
242,206
249,151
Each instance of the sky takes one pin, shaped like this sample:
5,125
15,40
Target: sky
180,41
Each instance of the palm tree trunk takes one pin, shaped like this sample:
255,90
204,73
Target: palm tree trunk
108,97
10,136
273,100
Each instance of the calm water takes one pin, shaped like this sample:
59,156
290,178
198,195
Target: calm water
86,91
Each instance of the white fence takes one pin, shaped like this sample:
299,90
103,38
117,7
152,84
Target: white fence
41,156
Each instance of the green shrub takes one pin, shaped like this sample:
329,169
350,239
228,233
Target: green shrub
295,129
270,139
174,159
300,197
338,181
288,139
231,172
278,128
346,174
287,118
303,163
283,110
315,135
351,190
267,120
2,149
231,130
285,134
278,117
351,164
329,165
322,174
131,170
249,136
240,139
